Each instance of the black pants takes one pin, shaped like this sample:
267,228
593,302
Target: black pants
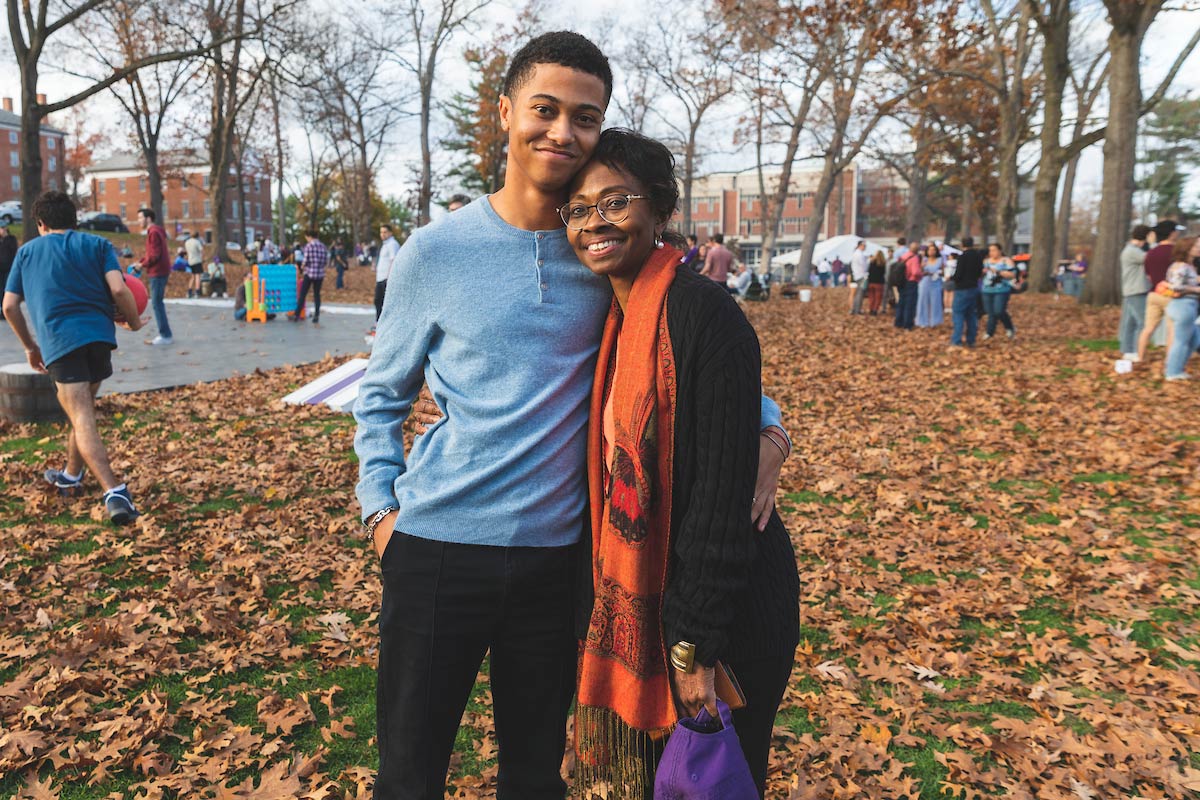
315,283
444,606
764,682
380,290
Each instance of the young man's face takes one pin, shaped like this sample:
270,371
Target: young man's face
553,124
143,221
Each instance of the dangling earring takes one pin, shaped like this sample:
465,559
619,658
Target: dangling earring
658,243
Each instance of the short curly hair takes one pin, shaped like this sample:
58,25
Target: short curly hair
565,48
54,210
647,160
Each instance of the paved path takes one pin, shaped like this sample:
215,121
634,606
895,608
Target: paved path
210,344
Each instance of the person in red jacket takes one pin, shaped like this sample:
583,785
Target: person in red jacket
157,266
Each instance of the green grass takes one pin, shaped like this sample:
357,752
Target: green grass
1094,345
1102,477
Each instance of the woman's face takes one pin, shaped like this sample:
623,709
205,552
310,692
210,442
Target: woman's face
1195,251
994,252
612,249
931,251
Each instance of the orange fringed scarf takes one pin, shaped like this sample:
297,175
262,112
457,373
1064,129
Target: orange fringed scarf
624,699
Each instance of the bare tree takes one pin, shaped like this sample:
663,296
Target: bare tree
31,29
1130,19
121,31
864,92
432,23
692,63
360,106
782,70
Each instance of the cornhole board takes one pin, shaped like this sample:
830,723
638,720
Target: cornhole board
337,388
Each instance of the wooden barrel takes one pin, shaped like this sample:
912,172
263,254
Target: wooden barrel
27,395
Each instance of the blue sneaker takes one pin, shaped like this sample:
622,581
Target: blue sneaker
59,480
120,506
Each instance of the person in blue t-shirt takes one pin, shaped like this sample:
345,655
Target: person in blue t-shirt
71,281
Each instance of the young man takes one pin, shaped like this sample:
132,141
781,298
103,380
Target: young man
70,281
718,259
1135,284
858,273
314,259
965,310
156,264
387,256
195,259
476,528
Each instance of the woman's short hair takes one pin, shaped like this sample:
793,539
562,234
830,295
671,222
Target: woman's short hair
646,160
1183,248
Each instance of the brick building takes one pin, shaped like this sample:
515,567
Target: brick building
729,203
54,171
119,186
872,203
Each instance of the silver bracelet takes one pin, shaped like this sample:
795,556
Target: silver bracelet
377,518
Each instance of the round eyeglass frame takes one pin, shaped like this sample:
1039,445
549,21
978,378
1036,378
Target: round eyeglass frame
562,211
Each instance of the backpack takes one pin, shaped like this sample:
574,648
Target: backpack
897,274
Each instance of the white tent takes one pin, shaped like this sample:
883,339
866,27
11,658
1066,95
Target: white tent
834,247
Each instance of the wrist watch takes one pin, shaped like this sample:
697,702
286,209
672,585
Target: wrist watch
683,656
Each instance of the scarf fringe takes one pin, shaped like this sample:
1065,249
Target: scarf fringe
614,761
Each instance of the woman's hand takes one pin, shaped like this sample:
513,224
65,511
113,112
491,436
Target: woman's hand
383,532
696,690
425,412
770,462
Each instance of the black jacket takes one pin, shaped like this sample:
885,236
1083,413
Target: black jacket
731,590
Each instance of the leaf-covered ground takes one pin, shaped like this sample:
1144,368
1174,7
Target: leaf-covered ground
998,554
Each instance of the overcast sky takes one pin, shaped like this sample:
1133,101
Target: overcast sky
602,22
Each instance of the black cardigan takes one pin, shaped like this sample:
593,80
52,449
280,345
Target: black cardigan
731,590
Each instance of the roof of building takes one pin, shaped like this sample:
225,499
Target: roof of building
167,160
9,119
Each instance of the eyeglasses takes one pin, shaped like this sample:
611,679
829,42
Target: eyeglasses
612,209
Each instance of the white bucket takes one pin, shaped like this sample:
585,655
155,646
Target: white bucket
805,295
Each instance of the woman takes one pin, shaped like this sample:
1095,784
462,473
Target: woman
930,312
998,271
1184,283
671,461
876,275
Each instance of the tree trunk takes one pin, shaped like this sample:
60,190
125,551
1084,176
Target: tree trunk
154,177
817,218
31,151
1008,184
968,211
689,177
1103,285
280,205
425,191
1062,229
1056,69
918,184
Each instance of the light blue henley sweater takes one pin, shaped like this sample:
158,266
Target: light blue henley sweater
503,324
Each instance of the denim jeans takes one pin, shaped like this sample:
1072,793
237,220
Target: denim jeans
906,309
995,305
158,290
966,315
1133,316
1182,313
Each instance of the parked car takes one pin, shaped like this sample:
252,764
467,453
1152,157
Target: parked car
99,221
10,212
